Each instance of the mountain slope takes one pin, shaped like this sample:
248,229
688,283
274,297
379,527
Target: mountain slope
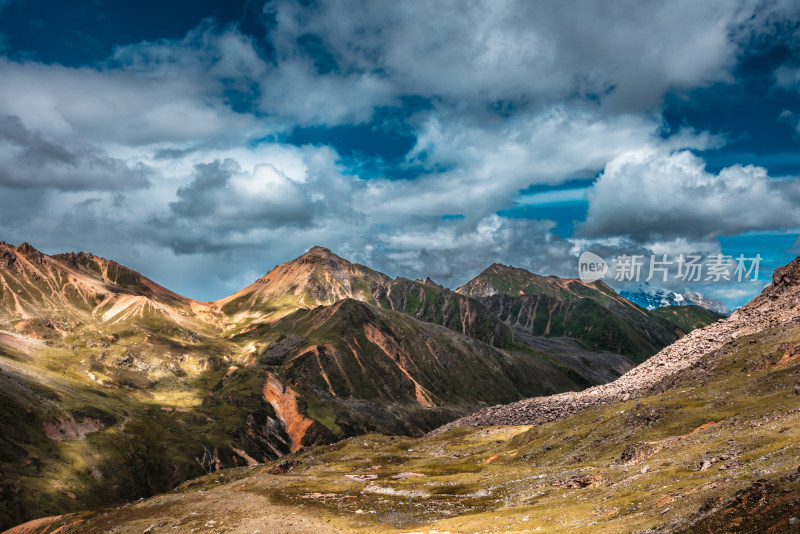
358,368
316,278
777,306
513,281
82,287
688,318
593,313
701,438
113,387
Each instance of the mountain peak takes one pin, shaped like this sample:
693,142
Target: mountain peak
318,253
652,297
782,296
501,267
513,281
318,277
317,249
10,253
26,248
317,259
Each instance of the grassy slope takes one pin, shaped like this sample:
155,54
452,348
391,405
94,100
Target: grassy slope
143,378
354,380
715,449
156,422
687,318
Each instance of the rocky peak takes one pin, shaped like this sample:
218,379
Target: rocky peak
321,255
27,250
317,277
76,258
499,268
10,253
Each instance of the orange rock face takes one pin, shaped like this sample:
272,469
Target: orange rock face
284,402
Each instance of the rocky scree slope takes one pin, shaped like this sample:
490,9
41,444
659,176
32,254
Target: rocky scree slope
777,305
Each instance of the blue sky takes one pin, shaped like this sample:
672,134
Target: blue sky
202,143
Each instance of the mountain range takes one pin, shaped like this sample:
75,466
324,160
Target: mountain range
651,297
114,388
702,437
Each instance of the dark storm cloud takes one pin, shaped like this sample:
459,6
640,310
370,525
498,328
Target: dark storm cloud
28,160
451,252
172,153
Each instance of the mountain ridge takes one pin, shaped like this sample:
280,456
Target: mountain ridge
593,313
320,277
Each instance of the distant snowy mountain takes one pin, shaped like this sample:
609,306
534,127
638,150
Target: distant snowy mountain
651,297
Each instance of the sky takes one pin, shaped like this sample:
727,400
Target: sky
202,143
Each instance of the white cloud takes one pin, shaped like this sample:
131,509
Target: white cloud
296,94
654,195
487,165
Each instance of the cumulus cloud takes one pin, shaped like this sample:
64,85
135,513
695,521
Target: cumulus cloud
297,93
236,200
653,195
455,250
